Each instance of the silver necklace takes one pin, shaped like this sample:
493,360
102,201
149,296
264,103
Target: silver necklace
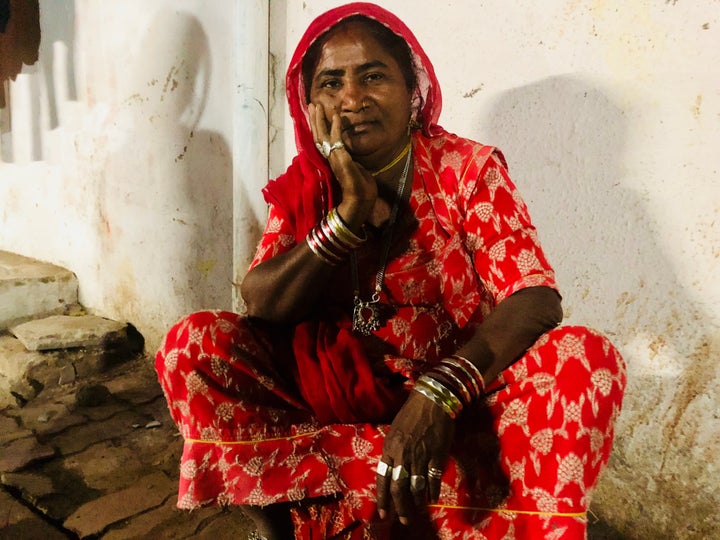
366,315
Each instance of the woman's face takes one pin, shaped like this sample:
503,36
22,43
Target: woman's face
358,80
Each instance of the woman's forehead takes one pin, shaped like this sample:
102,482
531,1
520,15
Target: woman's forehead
352,47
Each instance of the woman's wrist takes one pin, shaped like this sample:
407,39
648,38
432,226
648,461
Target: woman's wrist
453,384
332,240
354,213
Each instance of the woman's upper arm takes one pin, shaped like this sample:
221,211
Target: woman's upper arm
277,238
500,235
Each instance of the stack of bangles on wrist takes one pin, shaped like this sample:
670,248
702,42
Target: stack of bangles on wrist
452,384
332,240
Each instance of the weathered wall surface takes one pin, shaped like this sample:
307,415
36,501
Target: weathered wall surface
609,115
118,163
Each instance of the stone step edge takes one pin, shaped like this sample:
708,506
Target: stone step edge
69,332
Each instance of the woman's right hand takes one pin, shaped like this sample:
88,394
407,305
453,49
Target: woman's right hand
359,188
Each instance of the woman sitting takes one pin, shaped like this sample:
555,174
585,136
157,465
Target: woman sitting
399,372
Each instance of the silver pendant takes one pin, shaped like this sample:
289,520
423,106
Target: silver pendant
366,317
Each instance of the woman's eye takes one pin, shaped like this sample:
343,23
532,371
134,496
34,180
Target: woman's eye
330,83
373,77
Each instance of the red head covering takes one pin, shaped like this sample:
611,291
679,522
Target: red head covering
304,192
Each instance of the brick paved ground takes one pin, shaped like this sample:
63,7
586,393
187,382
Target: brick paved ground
97,458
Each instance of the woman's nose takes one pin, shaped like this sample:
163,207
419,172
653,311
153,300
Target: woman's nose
352,97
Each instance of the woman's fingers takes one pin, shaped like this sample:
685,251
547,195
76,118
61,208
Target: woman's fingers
400,491
402,478
336,129
319,124
419,439
419,486
384,472
434,480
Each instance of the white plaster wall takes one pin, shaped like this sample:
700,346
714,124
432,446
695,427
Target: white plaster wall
131,188
609,115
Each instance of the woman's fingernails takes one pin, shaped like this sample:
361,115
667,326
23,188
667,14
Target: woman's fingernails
382,514
403,520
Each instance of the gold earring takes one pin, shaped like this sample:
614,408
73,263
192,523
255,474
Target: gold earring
412,124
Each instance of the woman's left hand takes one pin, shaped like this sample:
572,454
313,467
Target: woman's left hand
418,443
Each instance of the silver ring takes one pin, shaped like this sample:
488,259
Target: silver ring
435,473
382,468
417,483
399,473
326,148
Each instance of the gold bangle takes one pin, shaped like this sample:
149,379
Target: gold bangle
459,366
441,392
332,238
424,391
342,231
447,395
445,370
478,374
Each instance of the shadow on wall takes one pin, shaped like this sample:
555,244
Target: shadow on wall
43,39
165,213
565,143
57,21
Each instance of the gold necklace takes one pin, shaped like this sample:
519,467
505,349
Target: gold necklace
366,315
394,161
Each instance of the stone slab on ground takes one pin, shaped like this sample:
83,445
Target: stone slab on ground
230,524
31,486
95,516
10,430
66,332
22,452
15,360
99,466
31,288
81,437
168,521
17,521
47,418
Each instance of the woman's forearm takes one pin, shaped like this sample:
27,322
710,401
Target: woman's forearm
285,288
511,329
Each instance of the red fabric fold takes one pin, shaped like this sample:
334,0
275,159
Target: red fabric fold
336,378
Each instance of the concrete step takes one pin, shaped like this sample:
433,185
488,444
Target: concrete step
46,338
60,350
32,289
66,332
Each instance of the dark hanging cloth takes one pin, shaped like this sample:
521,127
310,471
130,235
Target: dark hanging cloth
4,15
19,38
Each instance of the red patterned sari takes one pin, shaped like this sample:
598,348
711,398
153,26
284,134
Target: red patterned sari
273,414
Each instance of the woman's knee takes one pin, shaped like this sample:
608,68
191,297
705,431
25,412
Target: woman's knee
591,348
197,339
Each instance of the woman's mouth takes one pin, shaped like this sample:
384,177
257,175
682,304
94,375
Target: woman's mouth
359,128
